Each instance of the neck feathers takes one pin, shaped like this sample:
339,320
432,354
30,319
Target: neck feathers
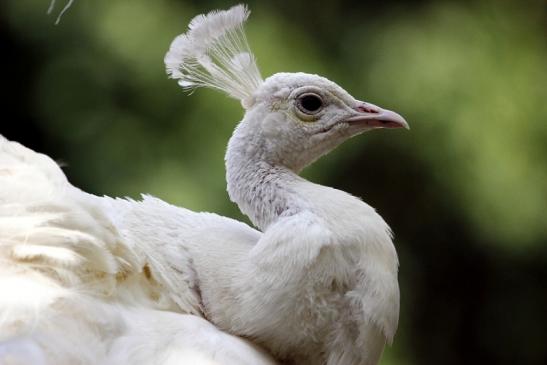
262,189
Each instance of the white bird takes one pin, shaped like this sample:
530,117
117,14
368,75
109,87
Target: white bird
96,280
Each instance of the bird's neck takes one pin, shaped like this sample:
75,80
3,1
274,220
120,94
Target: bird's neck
264,190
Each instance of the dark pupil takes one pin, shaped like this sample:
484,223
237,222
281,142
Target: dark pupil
310,102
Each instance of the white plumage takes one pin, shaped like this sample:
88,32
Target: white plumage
95,280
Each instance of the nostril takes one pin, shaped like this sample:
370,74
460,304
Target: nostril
365,108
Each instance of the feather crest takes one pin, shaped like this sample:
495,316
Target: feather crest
215,53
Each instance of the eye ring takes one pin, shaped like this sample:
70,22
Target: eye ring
309,103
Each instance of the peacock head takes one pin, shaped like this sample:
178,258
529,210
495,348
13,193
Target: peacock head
291,119
308,115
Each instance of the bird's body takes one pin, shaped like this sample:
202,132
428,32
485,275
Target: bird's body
130,282
305,279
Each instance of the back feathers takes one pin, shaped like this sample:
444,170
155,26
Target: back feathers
214,53
57,242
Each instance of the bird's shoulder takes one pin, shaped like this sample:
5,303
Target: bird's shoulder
338,239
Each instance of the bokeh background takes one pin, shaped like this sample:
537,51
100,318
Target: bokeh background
465,189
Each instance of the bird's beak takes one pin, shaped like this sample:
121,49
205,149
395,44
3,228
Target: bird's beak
370,115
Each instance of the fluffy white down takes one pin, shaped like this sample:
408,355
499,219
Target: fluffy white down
85,281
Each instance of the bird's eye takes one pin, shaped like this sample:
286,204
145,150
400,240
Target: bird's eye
309,103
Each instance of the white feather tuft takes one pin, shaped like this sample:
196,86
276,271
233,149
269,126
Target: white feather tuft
215,53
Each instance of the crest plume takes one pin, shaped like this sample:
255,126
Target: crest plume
214,53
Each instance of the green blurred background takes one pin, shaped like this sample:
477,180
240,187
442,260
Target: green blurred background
465,190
